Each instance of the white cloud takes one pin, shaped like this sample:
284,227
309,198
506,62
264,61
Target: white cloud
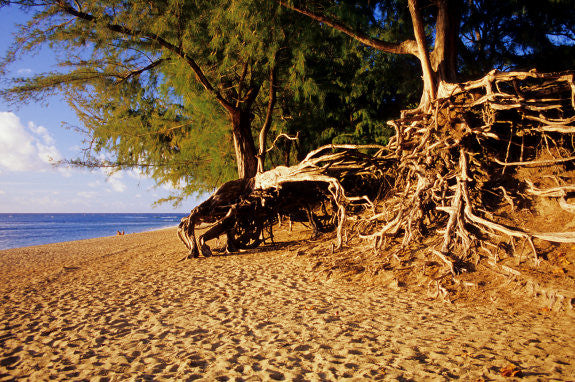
42,132
135,173
88,194
25,148
66,172
115,182
25,71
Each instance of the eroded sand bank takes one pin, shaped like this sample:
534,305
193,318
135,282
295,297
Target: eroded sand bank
123,307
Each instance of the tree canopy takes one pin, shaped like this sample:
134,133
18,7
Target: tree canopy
157,82
194,92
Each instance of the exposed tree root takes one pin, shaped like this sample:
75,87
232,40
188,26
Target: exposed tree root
459,169
334,177
467,179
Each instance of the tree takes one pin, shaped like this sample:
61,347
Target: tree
154,83
445,32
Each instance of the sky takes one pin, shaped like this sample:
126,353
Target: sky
33,137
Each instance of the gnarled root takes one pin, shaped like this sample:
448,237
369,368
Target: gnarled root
465,169
187,236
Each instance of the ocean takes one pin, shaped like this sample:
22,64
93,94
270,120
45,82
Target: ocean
23,230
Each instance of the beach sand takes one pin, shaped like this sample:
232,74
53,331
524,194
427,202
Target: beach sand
124,308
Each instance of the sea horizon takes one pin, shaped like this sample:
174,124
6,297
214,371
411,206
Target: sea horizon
24,229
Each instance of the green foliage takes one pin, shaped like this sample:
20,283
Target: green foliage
357,89
366,92
141,104
129,70
153,82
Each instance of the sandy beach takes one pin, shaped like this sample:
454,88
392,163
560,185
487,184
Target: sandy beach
125,308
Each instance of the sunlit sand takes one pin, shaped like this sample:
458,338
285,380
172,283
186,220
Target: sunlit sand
126,308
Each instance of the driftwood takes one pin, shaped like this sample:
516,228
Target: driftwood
461,177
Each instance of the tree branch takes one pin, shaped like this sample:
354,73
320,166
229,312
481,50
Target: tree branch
179,51
285,136
241,82
134,73
268,121
405,47
93,163
418,30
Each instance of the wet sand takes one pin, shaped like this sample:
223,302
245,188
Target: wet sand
124,308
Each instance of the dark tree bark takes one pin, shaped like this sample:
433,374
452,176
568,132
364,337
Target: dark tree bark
268,121
444,55
244,146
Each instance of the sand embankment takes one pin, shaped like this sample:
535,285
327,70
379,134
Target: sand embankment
123,307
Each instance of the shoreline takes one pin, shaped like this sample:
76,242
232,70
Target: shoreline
125,307
25,231
90,238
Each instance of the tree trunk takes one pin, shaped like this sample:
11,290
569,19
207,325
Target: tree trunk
429,83
269,115
439,67
444,55
244,146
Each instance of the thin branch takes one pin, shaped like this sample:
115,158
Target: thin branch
179,51
283,135
405,47
241,83
135,73
106,164
269,115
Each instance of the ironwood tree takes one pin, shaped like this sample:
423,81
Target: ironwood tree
168,86
184,89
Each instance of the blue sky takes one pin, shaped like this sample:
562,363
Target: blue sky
32,137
